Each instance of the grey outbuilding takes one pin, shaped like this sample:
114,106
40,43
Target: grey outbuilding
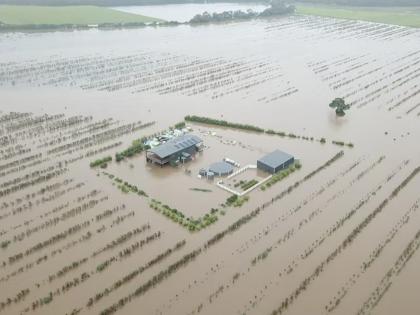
221,168
275,161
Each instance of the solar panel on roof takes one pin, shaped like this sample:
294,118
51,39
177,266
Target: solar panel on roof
175,145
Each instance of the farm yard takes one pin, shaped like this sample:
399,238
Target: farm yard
88,226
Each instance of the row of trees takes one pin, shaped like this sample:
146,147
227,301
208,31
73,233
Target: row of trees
288,301
207,17
278,7
191,256
246,127
222,123
50,241
101,162
281,175
140,269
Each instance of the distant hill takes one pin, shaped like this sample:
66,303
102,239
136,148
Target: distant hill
150,2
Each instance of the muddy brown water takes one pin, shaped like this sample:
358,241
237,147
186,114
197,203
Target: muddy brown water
376,64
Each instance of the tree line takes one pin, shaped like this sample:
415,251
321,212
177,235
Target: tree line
277,7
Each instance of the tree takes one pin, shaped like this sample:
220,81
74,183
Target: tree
278,7
340,106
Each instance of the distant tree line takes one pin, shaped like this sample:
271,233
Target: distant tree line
207,17
277,7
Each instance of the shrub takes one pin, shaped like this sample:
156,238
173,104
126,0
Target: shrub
231,199
101,162
180,125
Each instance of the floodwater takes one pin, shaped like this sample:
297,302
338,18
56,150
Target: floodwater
185,12
279,74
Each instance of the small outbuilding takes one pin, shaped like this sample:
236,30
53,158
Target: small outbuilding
275,161
202,172
221,168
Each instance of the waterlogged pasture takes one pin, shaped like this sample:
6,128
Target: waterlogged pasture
340,235
71,15
405,16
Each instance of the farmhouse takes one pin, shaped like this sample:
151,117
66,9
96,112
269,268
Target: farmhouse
175,151
275,161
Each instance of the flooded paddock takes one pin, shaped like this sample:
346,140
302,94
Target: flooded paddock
339,235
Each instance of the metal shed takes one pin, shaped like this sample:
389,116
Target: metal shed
221,168
275,161
179,148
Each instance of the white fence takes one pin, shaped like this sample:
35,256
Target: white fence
232,191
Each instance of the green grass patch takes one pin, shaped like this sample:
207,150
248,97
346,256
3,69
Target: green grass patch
404,16
62,15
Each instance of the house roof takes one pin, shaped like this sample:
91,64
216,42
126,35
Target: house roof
176,145
275,158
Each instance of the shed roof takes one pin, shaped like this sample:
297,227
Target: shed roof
221,168
275,158
176,145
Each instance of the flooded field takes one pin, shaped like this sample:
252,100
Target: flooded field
337,235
